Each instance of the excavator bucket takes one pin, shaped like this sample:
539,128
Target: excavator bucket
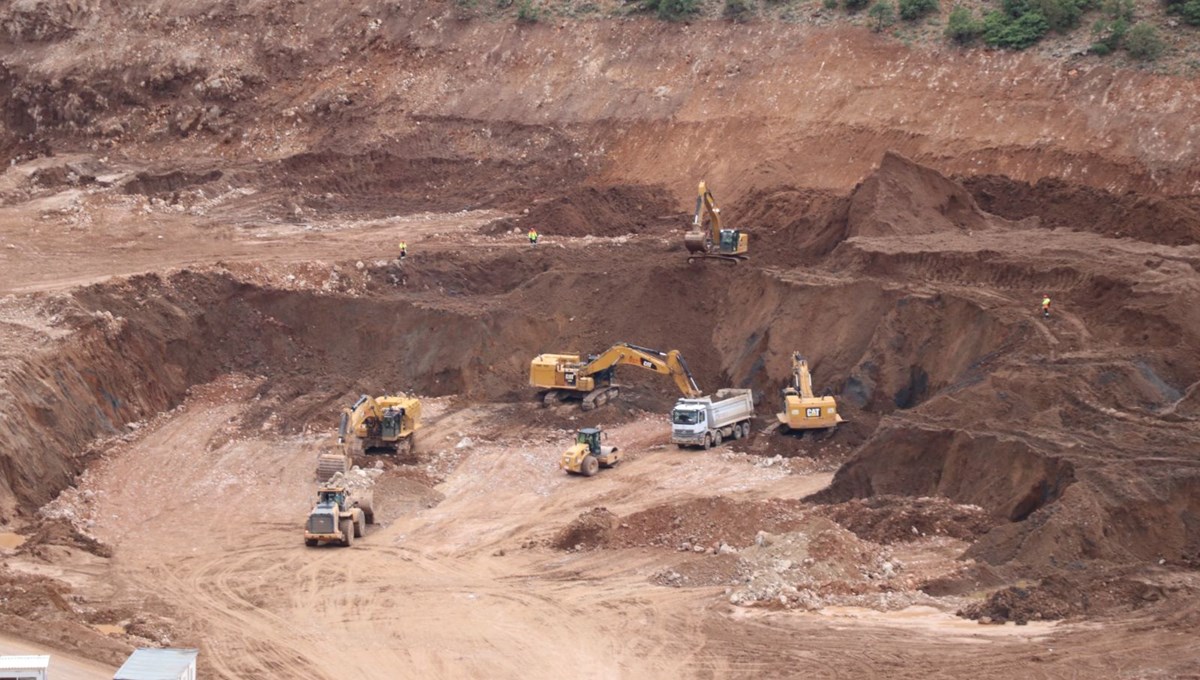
329,464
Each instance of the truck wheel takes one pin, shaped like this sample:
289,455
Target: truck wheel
347,527
310,542
589,466
707,442
359,529
746,429
717,438
737,431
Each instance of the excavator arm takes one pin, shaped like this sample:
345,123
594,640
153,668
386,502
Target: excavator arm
801,377
354,416
705,203
667,363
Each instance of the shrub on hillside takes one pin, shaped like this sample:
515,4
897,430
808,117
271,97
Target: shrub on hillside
1001,30
1061,15
672,10
1143,43
738,10
911,10
856,5
882,15
1108,34
1190,12
527,13
961,26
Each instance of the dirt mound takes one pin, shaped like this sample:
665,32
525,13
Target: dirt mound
902,198
889,519
705,523
1062,596
1061,204
599,211
592,529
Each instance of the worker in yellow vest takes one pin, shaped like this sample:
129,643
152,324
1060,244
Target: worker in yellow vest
403,250
533,236
1046,306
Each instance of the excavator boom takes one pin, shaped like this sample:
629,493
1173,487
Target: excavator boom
566,375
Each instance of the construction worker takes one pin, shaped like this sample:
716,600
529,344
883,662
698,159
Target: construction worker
1046,306
403,250
533,236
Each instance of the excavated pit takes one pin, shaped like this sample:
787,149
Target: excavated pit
902,295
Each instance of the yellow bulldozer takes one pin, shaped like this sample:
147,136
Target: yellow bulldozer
569,376
801,410
714,241
587,455
373,425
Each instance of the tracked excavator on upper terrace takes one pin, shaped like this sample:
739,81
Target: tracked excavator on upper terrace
373,425
713,242
569,376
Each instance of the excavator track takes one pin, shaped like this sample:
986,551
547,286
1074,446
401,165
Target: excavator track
728,259
599,397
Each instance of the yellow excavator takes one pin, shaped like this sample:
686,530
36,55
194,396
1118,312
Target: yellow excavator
372,425
714,242
801,410
568,376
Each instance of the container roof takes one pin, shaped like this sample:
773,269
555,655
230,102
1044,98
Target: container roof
12,663
156,664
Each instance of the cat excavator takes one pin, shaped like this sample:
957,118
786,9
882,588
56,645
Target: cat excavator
372,425
727,245
569,376
801,410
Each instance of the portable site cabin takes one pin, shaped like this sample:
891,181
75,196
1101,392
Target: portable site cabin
23,667
159,664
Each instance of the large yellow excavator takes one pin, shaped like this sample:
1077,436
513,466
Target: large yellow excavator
801,410
714,242
568,376
372,425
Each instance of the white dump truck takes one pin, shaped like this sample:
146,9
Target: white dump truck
707,421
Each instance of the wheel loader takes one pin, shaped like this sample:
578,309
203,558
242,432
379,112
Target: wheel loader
587,455
339,516
801,410
373,425
715,242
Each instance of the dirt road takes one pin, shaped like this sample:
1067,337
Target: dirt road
62,666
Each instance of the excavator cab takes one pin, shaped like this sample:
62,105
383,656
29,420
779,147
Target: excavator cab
393,420
729,240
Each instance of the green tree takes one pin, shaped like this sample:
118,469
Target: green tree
882,15
961,26
856,5
911,10
1190,11
1001,30
1144,43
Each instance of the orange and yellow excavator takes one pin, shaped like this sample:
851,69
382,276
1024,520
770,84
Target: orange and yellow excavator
569,376
714,242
